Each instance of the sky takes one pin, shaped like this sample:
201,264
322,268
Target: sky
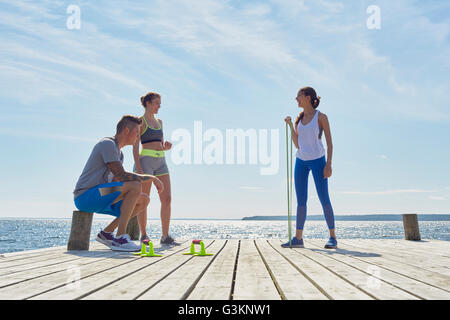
69,70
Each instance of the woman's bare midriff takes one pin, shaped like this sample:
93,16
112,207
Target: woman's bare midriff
154,145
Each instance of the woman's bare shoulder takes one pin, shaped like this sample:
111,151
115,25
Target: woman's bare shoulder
322,116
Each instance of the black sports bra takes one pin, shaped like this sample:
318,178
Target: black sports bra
151,134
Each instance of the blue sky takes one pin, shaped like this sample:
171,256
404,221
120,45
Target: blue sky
229,64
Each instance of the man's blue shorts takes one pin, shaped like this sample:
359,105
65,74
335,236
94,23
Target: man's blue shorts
99,199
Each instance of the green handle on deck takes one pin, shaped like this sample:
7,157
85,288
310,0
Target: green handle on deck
150,253
202,249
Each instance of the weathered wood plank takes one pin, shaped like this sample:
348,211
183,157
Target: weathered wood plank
26,257
429,277
358,269
22,285
31,252
363,280
354,258
253,281
424,261
68,256
293,285
40,261
135,284
216,283
178,283
434,249
335,287
80,258
94,277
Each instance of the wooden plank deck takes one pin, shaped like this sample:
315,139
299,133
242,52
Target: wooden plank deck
360,269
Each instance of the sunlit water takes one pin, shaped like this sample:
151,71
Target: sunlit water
28,234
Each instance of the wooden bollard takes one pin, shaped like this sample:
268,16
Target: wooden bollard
80,231
133,228
411,226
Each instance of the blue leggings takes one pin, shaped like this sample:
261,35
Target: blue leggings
301,173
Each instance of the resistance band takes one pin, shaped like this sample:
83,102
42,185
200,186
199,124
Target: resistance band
289,180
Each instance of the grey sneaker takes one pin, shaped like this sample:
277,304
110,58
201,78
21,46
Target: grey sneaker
105,238
124,243
169,240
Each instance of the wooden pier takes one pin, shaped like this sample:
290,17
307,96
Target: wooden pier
360,269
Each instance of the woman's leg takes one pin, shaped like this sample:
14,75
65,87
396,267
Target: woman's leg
147,165
141,204
301,173
317,167
166,199
142,217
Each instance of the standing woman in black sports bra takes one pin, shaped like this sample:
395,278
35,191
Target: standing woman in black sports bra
151,160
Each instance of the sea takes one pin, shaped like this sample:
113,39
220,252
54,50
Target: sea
19,234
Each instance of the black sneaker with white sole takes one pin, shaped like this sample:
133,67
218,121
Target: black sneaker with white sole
169,241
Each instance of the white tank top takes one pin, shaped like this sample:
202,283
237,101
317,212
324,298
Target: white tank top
310,146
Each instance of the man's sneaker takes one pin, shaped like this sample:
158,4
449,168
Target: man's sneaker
331,244
124,243
105,238
145,239
295,243
169,240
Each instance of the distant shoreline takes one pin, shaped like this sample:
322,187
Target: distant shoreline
366,217
315,217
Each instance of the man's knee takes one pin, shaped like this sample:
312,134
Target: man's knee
133,186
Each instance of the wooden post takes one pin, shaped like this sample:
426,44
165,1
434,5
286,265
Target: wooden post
411,226
133,228
80,232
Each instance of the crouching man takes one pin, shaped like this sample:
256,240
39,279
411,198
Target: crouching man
105,187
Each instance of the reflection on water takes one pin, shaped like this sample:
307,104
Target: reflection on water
28,234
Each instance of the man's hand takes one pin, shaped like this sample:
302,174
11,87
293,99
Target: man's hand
158,184
121,175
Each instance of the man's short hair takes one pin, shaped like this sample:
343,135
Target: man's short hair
129,122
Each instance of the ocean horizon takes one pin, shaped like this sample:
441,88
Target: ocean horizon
315,217
19,234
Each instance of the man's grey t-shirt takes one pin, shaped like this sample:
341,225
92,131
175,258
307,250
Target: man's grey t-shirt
96,171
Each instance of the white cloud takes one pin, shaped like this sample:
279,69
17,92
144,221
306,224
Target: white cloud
437,198
290,8
45,136
41,9
256,10
18,50
251,188
387,192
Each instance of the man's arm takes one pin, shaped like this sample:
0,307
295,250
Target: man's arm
121,175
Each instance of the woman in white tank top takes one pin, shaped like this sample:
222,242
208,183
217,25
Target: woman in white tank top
306,135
